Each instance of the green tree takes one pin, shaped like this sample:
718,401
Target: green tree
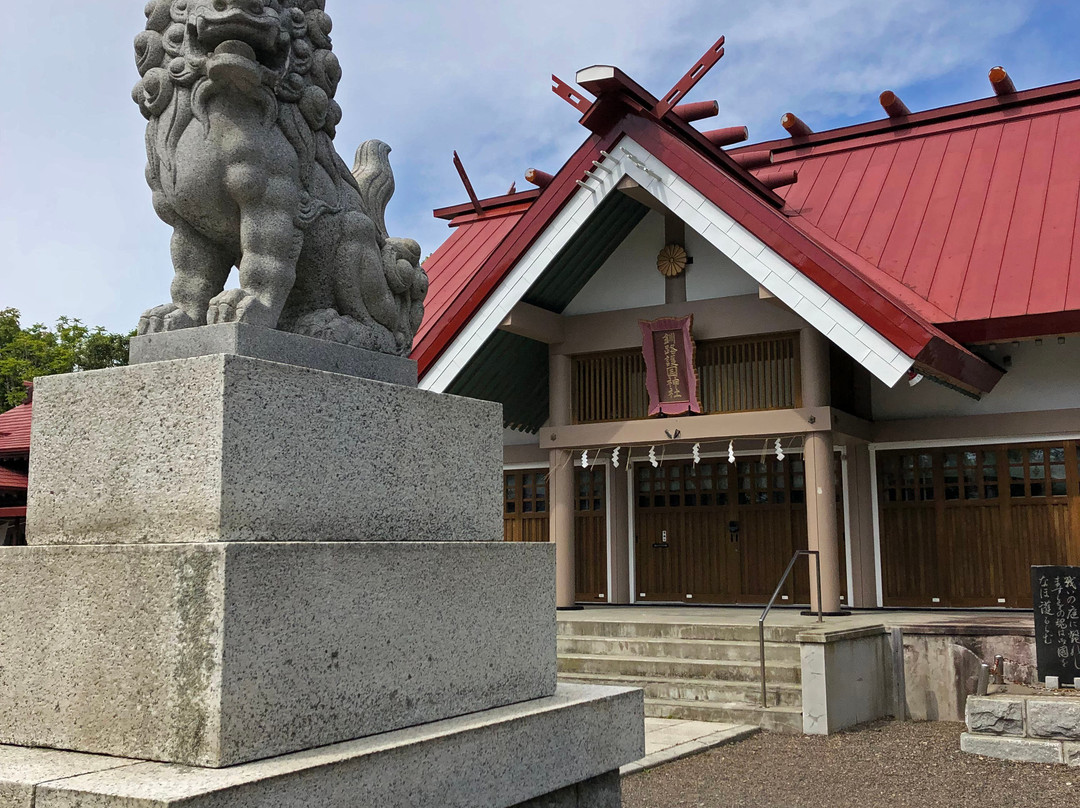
39,351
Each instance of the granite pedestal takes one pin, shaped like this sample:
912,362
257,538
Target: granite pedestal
241,568
562,751
217,654
230,448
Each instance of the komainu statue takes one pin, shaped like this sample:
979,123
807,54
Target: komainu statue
239,99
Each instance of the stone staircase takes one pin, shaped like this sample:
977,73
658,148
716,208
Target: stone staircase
690,671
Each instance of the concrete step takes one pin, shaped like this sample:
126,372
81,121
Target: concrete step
734,650
653,668
697,690
775,719
677,631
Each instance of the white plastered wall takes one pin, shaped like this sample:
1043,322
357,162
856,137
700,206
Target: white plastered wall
1038,377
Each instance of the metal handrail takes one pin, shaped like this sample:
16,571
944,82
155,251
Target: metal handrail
772,600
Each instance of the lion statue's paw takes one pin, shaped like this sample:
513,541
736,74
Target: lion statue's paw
166,317
329,325
239,306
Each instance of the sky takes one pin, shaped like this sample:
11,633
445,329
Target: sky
78,236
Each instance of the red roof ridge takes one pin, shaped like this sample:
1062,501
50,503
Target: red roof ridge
961,112
490,204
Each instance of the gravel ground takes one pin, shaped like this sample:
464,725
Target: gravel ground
886,763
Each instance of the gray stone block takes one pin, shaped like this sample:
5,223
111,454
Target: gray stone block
22,769
216,654
1054,718
228,448
244,339
604,791
1024,750
492,759
997,715
1071,752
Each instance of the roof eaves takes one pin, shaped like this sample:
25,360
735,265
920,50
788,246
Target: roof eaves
502,259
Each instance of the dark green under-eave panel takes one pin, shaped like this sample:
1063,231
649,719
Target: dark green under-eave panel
586,252
512,370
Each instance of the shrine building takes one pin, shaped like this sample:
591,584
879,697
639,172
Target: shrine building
861,341
14,465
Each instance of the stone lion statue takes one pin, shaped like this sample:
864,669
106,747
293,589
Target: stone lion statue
239,99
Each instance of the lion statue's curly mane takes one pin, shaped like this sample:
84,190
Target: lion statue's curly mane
239,101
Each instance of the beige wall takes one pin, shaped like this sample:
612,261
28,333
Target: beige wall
1038,377
713,319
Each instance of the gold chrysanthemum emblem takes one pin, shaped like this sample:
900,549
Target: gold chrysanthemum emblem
671,260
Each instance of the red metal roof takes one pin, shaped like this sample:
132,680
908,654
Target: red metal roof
450,267
15,430
13,511
469,279
966,214
842,273
12,480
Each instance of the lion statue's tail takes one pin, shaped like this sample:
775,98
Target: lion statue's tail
375,180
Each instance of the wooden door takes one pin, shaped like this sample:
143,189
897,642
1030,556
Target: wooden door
590,534
709,550
525,511
764,514
659,531
718,532
962,526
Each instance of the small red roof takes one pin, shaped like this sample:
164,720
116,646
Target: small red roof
15,430
11,480
451,266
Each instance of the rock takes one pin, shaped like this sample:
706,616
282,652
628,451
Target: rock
995,715
1024,750
1054,718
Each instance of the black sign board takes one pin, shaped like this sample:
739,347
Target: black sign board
1056,591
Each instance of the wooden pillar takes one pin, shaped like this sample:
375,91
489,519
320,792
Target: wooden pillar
619,508
675,233
821,519
561,484
561,526
861,540
814,369
820,474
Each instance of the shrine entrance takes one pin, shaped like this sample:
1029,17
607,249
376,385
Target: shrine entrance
720,532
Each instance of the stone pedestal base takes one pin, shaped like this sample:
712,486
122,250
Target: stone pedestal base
243,339
230,448
216,654
563,751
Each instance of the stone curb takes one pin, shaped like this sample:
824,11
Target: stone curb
672,753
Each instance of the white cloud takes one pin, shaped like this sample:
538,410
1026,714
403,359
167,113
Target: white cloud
78,236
